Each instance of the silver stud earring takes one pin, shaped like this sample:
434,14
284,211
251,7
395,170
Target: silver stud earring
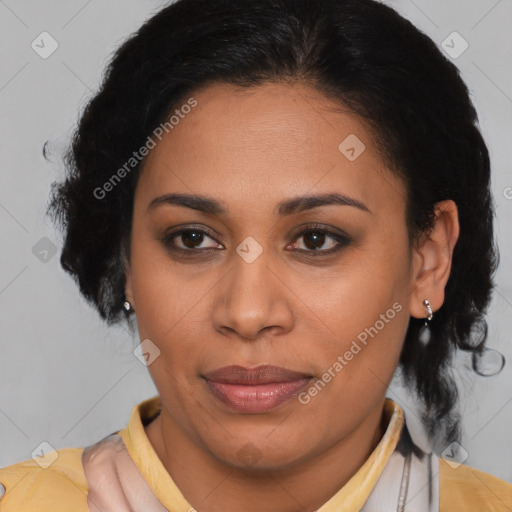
425,333
127,306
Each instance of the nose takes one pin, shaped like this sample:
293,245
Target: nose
252,299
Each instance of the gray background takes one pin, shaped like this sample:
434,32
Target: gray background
67,379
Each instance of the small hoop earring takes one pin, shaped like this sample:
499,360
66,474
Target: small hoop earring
430,315
424,333
127,306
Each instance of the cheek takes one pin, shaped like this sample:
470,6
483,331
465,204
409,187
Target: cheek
367,333
172,311
355,364
364,312
352,297
163,293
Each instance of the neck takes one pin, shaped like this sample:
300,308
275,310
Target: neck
210,485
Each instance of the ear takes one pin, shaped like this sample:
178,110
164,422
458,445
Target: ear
432,259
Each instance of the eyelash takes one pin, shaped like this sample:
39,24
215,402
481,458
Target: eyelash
342,241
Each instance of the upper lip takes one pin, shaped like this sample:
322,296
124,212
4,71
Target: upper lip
263,374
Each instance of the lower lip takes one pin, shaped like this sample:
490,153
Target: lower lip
257,398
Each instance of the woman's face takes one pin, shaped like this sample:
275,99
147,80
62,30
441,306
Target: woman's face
246,287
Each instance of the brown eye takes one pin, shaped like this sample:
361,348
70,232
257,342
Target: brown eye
191,238
320,241
314,239
187,240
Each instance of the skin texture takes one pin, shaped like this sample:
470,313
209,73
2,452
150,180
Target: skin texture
251,149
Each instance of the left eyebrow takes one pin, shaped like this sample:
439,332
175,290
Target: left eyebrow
302,203
298,204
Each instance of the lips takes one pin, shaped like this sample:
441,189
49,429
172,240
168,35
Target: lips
255,390
263,374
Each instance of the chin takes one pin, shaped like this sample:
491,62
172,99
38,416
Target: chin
256,456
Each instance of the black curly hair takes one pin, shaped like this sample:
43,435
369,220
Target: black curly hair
359,52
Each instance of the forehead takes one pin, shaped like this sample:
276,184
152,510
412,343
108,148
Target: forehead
261,143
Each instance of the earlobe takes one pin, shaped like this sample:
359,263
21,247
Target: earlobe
432,259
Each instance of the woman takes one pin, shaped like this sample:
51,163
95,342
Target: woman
292,199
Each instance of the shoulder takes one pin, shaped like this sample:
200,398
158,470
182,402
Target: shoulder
466,488
33,485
